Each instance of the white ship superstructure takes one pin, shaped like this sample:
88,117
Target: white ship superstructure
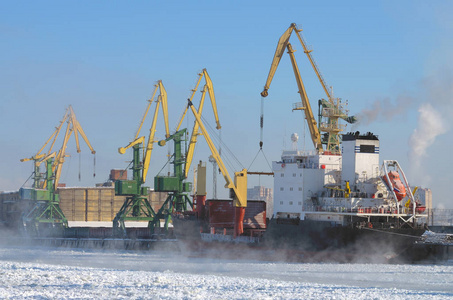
341,189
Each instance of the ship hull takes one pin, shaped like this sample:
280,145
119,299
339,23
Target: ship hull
310,241
388,244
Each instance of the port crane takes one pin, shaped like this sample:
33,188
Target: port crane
238,187
44,196
177,200
332,109
136,207
37,177
209,88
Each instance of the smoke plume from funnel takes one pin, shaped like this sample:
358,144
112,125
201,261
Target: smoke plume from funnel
385,110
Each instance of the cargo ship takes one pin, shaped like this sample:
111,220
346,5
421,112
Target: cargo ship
345,201
339,207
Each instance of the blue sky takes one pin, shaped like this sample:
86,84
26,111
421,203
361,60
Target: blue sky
391,60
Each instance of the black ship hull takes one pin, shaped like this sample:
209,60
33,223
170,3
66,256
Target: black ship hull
311,241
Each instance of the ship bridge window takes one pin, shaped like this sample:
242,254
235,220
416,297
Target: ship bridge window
281,189
282,175
290,202
294,174
290,188
366,148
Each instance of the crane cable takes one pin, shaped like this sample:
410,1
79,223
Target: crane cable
261,150
261,123
80,165
261,137
226,158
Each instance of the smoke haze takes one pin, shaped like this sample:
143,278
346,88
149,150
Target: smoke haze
430,124
434,108
385,110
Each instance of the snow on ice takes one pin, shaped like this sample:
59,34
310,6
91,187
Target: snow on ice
42,273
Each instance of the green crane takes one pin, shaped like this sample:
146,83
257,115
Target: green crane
136,207
45,212
176,186
46,208
177,201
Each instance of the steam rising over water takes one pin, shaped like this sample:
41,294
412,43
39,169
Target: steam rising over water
49,273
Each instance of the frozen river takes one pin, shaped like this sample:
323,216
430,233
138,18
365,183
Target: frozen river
42,273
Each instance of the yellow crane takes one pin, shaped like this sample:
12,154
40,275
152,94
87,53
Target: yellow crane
161,101
46,207
331,110
72,127
283,43
238,186
37,183
209,88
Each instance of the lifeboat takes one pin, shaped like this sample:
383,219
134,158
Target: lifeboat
396,184
419,209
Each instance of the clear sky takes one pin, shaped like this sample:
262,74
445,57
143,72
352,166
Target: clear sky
392,61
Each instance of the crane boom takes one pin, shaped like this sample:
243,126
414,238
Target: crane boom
72,126
163,94
239,186
59,160
240,194
150,101
194,90
283,43
311,121
210,89
162,99
312,62
78,130
37,177
122,150
193,137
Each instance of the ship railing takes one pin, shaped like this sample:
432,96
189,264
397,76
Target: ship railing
344,209
330,127
307,166
290,154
